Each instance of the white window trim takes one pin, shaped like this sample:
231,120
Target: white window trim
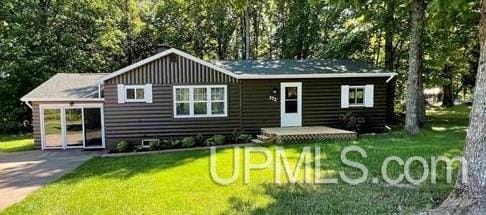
148,140
363,87
208,101
135,87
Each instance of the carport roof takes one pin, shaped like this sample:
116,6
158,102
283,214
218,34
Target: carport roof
67,87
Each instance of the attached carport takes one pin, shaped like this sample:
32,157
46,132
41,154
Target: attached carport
67,112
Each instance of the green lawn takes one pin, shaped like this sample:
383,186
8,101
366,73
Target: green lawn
180,183
16,143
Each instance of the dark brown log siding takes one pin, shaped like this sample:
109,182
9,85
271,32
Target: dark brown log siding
321,103
136,121
162,71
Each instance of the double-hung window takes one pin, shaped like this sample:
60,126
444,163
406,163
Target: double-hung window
200,101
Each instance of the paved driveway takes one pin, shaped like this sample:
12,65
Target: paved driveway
22,173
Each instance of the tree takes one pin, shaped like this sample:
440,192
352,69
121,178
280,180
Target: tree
415,67
469,196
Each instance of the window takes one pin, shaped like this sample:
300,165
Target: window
356,96
200,101
146,142
135,93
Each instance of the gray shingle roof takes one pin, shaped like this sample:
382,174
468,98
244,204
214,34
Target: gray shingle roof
67,86
295,67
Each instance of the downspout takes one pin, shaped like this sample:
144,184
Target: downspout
28,104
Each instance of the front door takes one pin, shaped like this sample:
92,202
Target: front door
291,104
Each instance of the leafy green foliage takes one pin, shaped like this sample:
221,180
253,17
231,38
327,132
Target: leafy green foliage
39,38
216,140
187,142
124,146
155,145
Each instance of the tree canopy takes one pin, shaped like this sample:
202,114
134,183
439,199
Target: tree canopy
39,38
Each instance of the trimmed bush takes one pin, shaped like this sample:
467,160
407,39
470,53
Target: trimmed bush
216,140
155,145
234,136
188,142
124,146
199,140
175,143
244,138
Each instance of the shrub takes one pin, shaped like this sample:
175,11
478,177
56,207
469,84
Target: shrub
234,136
353,122
244,138
188,142
199,140
166,144
155,145
124,146
175,143
216,140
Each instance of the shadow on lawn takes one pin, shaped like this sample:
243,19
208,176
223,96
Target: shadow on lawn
126,167
340,199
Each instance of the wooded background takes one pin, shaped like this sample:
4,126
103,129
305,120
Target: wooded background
39,38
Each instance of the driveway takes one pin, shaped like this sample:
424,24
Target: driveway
22,173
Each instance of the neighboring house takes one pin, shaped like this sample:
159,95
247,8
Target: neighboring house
175,94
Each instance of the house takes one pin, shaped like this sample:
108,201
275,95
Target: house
175,94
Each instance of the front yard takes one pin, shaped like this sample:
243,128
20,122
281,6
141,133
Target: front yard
180,183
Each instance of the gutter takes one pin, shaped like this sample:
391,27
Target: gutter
391,77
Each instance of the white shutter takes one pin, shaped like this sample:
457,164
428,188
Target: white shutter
121,94
344,96
369,95
148,93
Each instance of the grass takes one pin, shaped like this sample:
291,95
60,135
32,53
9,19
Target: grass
16,143
180,183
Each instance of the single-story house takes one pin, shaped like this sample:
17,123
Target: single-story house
176,94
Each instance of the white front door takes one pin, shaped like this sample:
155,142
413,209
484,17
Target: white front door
291,104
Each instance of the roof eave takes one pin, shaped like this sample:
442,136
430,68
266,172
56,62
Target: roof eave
23,99
341,75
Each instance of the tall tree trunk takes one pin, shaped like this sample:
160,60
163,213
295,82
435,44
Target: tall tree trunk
256,31
469,196
447,88
389,33
246,33
415,64
389,19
